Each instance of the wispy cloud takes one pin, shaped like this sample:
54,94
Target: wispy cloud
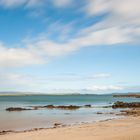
60,83
16,3
119,25
61,3
31,82
18,57
101,75
41,50
33,3
104,88
122,17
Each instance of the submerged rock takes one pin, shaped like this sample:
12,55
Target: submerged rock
50,106
87,106
70,107
57,125
99,113
16,109
134,112
5,132
67,107
119,104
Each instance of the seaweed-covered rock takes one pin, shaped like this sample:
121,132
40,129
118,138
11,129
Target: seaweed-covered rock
67,107
16,109
57,125
70,107
119,104
134,112
87,105
50,106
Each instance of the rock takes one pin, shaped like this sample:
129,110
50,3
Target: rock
16,109
99,113
5,132
107,106
70,107
57,124
134,112
87,106
49,106
119,104
35,108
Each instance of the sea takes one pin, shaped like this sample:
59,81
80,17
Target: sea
46,118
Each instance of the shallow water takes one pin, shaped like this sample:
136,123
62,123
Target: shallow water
45,118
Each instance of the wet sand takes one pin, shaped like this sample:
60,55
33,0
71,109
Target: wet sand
119,129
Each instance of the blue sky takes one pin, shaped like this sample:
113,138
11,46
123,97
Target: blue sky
53,46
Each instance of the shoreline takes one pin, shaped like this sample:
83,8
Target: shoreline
59,125
128,127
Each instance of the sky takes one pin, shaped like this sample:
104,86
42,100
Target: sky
68,46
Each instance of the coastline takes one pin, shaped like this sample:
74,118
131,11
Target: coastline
59,125
116,129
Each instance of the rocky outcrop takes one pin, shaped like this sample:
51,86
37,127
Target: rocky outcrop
119,104
57,125
132,112
64,107
70,107
87,106
16,109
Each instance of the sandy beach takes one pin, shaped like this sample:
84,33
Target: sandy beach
118,129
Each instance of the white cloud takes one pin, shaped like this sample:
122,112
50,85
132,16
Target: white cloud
101,75
12,3
105,88
16,3
122,20
32,3
121,8
97,6
11,81
61,3
41,50
121,26
13,57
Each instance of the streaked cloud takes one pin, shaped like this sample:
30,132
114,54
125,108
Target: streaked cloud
105,88
101,22
61,3
101,75
120,26
18,57
16,3
32,3
122,16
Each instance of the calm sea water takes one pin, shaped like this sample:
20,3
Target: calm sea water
45,118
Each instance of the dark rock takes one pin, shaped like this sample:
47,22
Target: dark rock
57,124
5,132
99,113
16,109
107,106
119,104
50,106
87,106
134,112
70,107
